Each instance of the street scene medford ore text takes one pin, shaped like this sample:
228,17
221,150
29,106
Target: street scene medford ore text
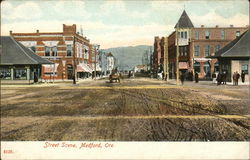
116,71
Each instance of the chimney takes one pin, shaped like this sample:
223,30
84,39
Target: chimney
202,26
231,26
216,26
37,31
10,32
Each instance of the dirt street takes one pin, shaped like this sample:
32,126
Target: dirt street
138,109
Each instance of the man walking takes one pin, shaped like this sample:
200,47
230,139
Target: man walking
243,76
182,77
196,77
234,79
237,77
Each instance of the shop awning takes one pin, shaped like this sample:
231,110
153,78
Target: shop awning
80,68
183,65
50,68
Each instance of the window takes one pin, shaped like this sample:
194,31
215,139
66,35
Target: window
20,73
197,67
244,67
197,35
237,34
185,35
207,34
181,51
185,51
54,51
182,34
69,50
207,49
216,48
222,35
33,48
47,51
197,50
5,73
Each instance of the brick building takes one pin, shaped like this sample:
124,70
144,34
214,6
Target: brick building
158,54
195,44
68,50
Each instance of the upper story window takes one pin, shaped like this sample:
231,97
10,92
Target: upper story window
197,50
222,35
47,51
216,48
196,35
237,34
207,50
50,51
54,51
207,34
183,35
69,50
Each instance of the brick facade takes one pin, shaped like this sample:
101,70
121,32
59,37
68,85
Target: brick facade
60,48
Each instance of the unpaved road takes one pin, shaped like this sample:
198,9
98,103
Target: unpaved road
134,110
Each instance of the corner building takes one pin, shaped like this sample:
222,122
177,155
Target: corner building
67,49
197,43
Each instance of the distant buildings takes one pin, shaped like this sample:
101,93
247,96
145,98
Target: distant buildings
195,44
110,62
68,50
19,62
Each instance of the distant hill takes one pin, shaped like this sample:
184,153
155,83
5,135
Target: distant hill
128,57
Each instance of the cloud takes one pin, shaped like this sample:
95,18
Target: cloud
69,8
212,18
26,10
111,7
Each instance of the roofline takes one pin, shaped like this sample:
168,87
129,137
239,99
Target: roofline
23,50
244,34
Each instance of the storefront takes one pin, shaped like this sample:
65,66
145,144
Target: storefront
19,63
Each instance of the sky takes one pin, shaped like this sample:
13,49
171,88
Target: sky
115,23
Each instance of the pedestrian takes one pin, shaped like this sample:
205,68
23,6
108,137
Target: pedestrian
234,79
214,77
196,77
243,76
237,77
182,77
219,78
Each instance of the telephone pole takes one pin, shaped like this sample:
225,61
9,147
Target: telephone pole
177,55
165,62
74,61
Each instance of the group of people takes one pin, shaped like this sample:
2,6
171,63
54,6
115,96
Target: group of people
220,78
236,77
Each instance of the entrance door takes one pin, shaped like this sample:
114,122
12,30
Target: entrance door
70,71
207,70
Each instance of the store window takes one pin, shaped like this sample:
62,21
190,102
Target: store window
20,73
197,50
5,73
197,67
244,67
69,50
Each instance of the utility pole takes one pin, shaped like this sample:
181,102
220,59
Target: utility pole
166,74
74,61
177,55
96,51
